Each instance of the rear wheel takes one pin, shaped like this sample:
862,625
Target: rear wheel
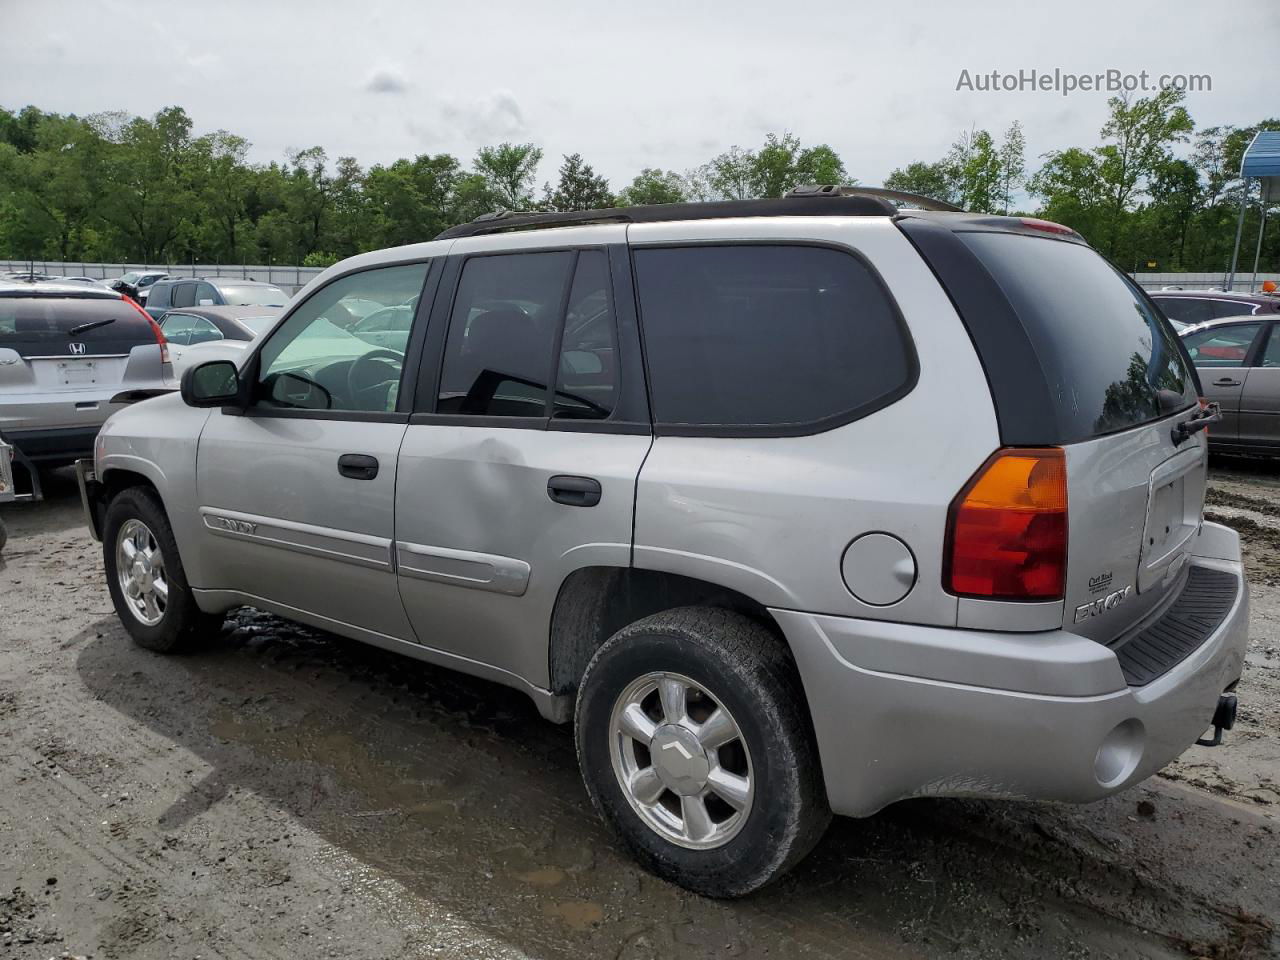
695,746
145,577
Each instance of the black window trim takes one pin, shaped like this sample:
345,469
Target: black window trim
630,411
412,356
792,429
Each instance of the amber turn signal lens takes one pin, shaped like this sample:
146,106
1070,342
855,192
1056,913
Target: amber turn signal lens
1007,529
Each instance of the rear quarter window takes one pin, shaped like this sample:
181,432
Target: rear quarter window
1111,362
788,339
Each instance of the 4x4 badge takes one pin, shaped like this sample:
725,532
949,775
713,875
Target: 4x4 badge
1102,605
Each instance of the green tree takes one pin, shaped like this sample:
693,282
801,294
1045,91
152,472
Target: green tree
150,192
973,163
1013,164
510,170
926,179
222,187
579,187
653,185
1140,134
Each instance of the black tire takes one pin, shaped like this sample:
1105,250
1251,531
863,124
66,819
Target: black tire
182,622
746,667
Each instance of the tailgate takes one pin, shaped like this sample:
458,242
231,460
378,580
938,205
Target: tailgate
1135,503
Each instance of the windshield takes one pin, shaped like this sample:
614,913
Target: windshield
131,277
257,324
254,296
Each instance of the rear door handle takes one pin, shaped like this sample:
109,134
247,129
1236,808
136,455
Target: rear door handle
1227,382
358,466
574,491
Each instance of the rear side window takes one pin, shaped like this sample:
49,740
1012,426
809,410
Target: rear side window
1111,362
772,337
53,326
532,335
1229,308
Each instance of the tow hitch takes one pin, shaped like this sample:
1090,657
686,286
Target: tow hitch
1224,718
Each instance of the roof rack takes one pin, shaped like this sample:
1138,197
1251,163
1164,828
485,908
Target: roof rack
808,201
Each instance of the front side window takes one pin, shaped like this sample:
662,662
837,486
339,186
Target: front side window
206,296
184,294
177,328
312,362
767,336
1226,346
204,331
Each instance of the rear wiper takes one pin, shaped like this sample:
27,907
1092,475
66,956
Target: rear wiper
91,325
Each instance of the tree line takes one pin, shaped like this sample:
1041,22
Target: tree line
114,187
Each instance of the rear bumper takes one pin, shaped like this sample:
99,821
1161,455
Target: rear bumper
903,711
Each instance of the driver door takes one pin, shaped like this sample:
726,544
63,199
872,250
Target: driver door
297,493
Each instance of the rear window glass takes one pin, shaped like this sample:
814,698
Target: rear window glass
758,335
1112,362
49,325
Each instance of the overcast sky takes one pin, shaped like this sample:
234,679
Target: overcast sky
628,85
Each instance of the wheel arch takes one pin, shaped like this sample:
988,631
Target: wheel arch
594,603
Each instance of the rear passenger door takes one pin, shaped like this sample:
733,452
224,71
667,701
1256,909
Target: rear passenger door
1260,398
519,466
1222,355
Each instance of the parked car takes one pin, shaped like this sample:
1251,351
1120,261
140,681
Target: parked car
892,503
228,329
213,292
65,352
1187,308
1239,364
137,284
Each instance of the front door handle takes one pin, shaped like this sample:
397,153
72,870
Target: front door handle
574,491
1227,382
358,466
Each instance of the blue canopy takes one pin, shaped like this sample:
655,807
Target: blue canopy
1262,158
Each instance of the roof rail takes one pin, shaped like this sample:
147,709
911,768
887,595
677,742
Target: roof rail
917,200
856,203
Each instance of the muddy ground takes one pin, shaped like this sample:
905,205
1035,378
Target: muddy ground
284,793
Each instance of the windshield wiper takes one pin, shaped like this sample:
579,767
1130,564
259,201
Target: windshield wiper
91,325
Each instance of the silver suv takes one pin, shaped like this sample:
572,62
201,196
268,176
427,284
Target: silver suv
792,506
70,356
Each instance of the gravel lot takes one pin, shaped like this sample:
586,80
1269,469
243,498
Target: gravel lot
285,793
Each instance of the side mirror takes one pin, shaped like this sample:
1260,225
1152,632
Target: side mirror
215,383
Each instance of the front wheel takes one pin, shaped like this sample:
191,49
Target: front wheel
145,577
696,747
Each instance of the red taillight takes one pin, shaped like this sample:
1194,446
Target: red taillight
1007,529
1048,226
155,329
